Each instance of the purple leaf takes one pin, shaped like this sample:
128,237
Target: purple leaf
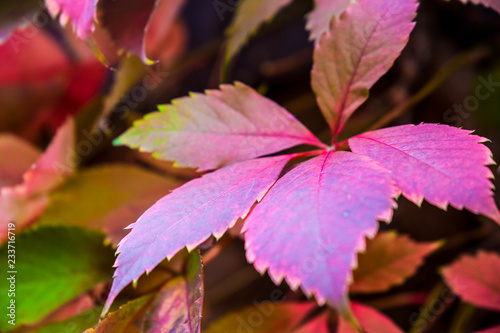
443,164
360,47
318,21
190,214
81,13
177,306
313,221
218,128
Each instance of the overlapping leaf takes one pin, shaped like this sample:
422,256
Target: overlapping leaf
388,260
359,48
216,201
16,156
318,21
439,163
475,279
250,14
371,320
327,205
44,280
22,203
99,198
177,306
283,318
128,21
218,128
81,13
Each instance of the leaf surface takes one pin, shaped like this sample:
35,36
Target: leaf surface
313,221
124,319
16,156
129,21
218,128
439,163
360,47
177,306
15,13
388,261
44,280
475,279
283,318
371,320
250,15
192,213
318,21
495,329
82,14
99,198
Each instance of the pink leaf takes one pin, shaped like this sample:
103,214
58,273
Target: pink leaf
475,279
218,128
24,202
360,47
190,214
371,320
16,156
440,163
494,4
314,220
318,21
82,13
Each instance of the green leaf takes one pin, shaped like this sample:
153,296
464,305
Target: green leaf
266,317
53,265
108,198
388,261
75,324
250,15
126,317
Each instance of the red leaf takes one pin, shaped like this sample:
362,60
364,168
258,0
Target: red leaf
313,221
129,21
360,47
476,279
371,320
190,214
495,329
218,128
440,163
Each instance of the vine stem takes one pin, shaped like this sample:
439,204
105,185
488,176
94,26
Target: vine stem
454,64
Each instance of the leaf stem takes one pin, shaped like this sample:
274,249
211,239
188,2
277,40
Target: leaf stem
454,64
